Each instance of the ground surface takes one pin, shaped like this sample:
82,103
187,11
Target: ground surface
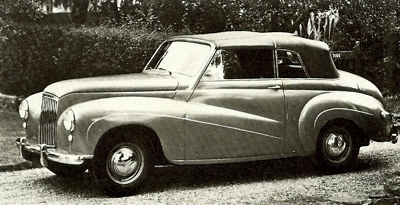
290,181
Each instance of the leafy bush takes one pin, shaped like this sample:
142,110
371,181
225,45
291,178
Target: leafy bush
28,58
35,55
20,10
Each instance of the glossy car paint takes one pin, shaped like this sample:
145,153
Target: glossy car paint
220,121
247,125
32,122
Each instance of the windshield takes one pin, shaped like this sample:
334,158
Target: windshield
180,57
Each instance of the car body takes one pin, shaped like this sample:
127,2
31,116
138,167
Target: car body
203,99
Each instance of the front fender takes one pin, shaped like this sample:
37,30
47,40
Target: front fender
363,110
169,129
94,118
32,123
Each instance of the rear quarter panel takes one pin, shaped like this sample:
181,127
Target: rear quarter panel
361,109
298,94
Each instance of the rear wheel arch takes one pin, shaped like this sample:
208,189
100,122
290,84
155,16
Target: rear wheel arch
330,107
361,137
344,122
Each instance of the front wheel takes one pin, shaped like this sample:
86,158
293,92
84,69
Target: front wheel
120,168
337,147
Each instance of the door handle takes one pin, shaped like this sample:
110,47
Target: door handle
275,87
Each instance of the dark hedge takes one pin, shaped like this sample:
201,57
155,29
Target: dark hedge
34,56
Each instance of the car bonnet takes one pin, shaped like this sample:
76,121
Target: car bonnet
138,82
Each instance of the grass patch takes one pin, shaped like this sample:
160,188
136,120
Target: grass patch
10,130
393,103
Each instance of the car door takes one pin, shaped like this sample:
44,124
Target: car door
237,110
299,88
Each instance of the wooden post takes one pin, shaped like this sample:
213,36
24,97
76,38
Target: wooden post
49,6
357,62
389,61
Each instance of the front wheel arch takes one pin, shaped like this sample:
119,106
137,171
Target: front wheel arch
111,160
151,140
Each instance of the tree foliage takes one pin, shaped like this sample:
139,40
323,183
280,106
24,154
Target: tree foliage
373,25
79,11
35,56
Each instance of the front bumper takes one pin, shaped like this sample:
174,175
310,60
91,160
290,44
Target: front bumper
395,128
42,154
394,133
384,130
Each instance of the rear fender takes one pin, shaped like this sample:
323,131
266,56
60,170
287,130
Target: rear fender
360,109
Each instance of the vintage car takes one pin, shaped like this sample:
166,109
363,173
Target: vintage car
203,99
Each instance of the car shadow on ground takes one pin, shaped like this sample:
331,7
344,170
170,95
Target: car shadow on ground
192,177
177,177
223,174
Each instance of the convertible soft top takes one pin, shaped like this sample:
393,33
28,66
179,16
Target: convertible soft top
315,54
250,39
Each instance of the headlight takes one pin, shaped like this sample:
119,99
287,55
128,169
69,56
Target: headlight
69,120
23,109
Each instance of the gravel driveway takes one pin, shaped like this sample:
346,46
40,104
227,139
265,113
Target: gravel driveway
290,181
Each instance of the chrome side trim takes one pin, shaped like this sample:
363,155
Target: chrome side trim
188,120
340,109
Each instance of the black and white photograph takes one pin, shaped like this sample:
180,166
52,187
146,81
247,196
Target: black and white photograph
200,102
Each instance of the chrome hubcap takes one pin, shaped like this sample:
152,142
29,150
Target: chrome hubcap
125,164
335,144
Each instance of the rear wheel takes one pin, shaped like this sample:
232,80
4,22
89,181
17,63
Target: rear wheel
121,167
337,148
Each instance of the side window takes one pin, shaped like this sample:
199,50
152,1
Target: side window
290,65
240,64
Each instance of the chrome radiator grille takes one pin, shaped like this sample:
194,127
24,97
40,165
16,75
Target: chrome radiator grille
48,120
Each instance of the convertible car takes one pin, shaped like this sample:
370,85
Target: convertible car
204,99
